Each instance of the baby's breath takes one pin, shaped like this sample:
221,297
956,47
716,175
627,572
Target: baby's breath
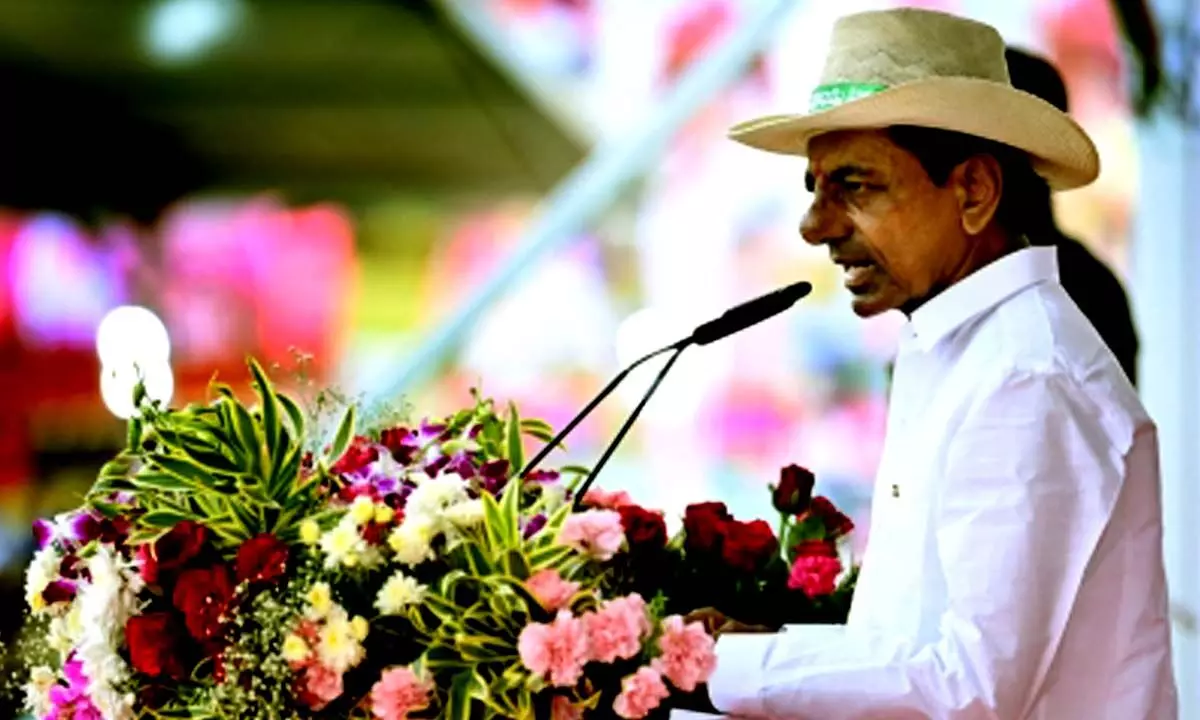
259,682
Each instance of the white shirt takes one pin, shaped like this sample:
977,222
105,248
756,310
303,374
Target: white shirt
1018,574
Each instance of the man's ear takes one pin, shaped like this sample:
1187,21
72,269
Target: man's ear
979,183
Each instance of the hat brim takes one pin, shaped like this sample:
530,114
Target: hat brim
1061,151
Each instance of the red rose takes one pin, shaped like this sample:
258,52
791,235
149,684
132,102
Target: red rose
361,453
748,546
836,523
203,596
815,548
643,528
704,525
794,491
154,645
172,551
262,558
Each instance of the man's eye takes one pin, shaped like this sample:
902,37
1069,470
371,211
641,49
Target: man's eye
853,186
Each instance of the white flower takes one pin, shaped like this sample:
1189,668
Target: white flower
412,540
399,592
105,604
64,632
431,498
37,691
554,496
418,477
342,543
339,646
466,514
42,571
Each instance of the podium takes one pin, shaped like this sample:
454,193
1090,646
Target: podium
690,715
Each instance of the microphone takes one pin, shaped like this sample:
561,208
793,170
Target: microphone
730,322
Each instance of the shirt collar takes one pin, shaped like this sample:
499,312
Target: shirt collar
979,292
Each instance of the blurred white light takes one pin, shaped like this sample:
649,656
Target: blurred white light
132,334
118,381
184,29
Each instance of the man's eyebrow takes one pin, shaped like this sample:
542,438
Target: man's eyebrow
838,175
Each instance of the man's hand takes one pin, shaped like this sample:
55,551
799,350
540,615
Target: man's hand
717,624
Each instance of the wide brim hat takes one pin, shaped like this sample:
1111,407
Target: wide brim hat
930,69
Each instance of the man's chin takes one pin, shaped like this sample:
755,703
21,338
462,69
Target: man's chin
866,306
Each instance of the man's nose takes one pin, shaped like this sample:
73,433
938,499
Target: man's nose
823,223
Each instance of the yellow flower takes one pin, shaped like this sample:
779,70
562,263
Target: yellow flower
359,628
320,600
310,532
295,650
384,514
362,510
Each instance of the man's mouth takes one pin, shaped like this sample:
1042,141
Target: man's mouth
858,273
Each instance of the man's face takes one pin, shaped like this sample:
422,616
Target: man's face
899,237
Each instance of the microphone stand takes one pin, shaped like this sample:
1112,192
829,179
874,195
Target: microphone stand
554,442
633,416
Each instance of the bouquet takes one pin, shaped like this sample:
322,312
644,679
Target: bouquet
237,561
745,570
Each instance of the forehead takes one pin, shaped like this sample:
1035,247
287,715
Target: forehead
864,149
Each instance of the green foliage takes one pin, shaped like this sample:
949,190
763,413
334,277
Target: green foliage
473,616
237,470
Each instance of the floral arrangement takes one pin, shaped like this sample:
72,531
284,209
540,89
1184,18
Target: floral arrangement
237,561
230,564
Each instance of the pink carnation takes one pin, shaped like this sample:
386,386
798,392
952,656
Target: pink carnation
616,630
598,533
551,590
606,500
641,693
321,686
688,656
557,650
816,575
398,692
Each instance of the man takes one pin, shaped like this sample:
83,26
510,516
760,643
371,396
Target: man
1089,282
1015,564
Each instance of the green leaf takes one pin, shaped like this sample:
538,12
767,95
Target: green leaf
164,518
344,435
464,689
187,471
510,509
272,424
161,481
516,449
294,414
494,522
549,557
516,564
248,437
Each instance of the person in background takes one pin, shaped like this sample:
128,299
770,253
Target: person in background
1088,281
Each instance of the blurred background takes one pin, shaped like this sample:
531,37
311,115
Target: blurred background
421,197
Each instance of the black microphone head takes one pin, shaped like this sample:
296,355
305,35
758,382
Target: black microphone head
798,291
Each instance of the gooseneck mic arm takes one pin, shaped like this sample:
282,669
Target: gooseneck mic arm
730,322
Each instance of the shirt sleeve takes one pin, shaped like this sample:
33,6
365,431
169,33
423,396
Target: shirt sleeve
1030,480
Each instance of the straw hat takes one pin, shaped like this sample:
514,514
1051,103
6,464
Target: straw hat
920,67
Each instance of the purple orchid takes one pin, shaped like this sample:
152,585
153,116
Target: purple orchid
494,475
533,526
